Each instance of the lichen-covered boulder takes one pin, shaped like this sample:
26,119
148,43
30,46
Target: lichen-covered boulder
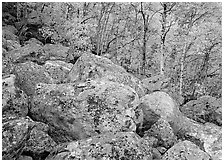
33,41
208,136
14,100
57,70
56,51
15,133
10,28
7,66
155,83
10,45
77,111
162,131
109,146
32,52
34,18
159,105
29,74
203,110
90,66
8,35
39,144
185,150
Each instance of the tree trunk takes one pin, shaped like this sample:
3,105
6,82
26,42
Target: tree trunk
182,68
163,37
104,29
145,30
99,32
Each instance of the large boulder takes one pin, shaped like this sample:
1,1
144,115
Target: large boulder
32,52
33,41
29,74
34,18
40,144
8,35
15,133
207,136
10,28
90,66
110,146
155,83
10,45
185,150
159,105
77,111
162,131
57,70
7,65
56,51
14,100
204,109
21,137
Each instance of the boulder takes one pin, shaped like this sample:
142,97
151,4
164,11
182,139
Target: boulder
39,144
150,140
33,41
15,133
160,105
34,18
10,45
57,70
8,35
56,51
207,136
90,66
185,150
109,146
7,65
155,83
10,28
14,100
32,52
156,155
77,111
162,131
204,109
29,74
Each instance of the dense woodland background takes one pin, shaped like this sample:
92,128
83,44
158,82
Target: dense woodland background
180,41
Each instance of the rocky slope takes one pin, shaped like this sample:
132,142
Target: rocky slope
94,109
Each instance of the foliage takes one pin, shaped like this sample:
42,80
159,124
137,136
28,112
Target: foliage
131,34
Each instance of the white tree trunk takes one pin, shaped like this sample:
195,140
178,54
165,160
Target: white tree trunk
182,68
